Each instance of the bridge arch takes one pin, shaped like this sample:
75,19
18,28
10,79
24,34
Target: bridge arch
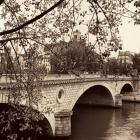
126,88
99,95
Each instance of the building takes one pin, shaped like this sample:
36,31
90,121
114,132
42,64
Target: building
125,58
77,35
46,60
125,61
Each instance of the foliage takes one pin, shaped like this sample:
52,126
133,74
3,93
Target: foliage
22,123
114,66
136,62
74,56
23,85
37,21
25,80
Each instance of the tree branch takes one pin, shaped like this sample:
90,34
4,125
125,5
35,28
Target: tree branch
1,1
31,20
14,38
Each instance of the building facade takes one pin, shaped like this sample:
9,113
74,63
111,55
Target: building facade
125,61
125,57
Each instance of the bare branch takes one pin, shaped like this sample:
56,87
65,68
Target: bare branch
31,20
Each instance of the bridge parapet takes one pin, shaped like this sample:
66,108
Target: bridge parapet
62,79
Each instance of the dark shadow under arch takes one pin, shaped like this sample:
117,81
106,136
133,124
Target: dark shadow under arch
126,89
97,95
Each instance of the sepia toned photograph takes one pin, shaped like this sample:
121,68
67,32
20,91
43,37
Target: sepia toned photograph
69,69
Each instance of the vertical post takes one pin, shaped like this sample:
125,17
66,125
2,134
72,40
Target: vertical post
63,123
118,101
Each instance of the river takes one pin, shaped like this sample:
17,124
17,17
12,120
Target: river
93,123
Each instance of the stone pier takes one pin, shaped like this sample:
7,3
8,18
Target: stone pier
118,101
63,123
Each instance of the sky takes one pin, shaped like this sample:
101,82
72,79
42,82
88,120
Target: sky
130,35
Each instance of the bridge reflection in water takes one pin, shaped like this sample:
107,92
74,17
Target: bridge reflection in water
95,123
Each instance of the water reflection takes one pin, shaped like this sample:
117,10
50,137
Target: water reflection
125,124
92,123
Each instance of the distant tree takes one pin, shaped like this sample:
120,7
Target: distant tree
113,66
125,69
73,56
136,62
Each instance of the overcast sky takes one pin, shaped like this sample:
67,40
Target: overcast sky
130,35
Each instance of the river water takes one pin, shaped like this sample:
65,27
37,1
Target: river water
92,123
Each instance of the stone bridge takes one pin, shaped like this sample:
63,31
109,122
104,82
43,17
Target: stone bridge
62,93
